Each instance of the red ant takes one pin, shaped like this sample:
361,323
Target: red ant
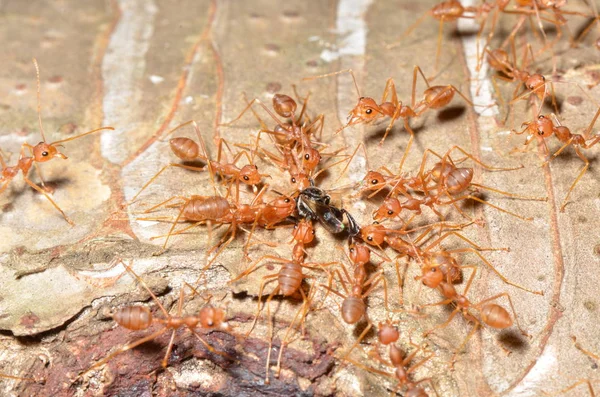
377,234
491,314
401,370
367,110
39,153
287,134
188,150
140,318
289,282
543,127
218,210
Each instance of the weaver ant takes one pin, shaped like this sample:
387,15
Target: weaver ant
377,234
401,370
40,153
491,314
189,150
289,283
140,318
543,127
367,110
218,210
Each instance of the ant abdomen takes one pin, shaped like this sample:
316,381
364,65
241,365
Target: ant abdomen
284,105
496,316
458,180
133,317
203,208
290,278
353,309
448,10
184,148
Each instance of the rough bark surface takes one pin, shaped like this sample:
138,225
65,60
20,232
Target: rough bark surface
144,66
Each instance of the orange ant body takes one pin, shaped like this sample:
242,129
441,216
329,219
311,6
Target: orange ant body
543,127
401,370
289,283
218,210
377,234
367,110
40,153
490,314
189,150
138,318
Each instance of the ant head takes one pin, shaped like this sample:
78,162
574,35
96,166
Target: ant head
300,180
360,254
431,276
284,203
373,234
535,81
310,158
543,126
365,111
390,208
387,333
284,105
249,175
373,179
211,317
45,151
304,231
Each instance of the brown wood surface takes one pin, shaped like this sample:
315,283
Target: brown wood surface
144,66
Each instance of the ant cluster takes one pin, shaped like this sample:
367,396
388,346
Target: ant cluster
417,213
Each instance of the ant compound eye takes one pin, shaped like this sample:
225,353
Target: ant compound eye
307,156
541,117
293,180
351,249
370,238
312,232
390,212
369,111
287,200
44,154
246,178
374,182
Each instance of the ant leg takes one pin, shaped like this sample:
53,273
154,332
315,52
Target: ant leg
488,264
284,342
413,96
471,243
513,195
571,387
581,173
165,359
123,349
127,267
486,166
268,361
334,74
444,324
471,197
264,281
42,191
187,167
439,45
584,351
358,340
408,145
408,31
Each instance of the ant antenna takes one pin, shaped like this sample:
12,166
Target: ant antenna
39,106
